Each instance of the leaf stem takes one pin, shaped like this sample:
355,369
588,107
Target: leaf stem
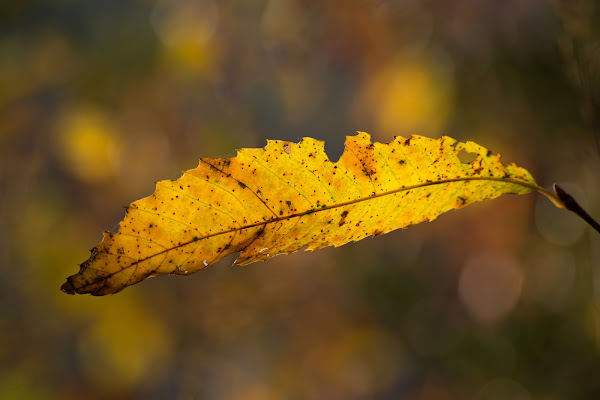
571,204
560,198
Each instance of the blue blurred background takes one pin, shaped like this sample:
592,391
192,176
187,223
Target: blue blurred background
100,99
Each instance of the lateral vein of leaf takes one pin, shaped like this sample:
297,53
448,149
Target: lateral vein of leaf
381,157
235,232
198,200
289,230
145,238
237,180
220,187
162,216
363,170
283,180
315,175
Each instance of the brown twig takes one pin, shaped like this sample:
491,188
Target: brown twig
572,205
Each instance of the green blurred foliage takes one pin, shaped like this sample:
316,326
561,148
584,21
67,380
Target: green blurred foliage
100,99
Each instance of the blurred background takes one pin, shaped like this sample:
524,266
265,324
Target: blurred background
100,99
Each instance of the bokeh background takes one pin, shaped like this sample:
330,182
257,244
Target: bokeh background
100,99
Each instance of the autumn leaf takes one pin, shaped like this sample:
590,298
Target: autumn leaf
288,196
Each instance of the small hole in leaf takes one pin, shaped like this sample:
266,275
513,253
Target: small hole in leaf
465,157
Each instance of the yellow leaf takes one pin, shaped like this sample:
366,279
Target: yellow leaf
289,196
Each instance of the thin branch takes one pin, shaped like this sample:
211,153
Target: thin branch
572,205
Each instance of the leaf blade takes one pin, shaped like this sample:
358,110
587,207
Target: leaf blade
289,196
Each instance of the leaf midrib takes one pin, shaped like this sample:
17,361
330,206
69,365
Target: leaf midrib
517,182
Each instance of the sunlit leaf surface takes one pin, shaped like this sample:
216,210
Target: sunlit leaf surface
288,196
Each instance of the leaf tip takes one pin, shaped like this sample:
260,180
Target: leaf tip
68,288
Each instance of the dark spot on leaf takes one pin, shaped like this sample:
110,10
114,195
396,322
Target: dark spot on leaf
343,220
